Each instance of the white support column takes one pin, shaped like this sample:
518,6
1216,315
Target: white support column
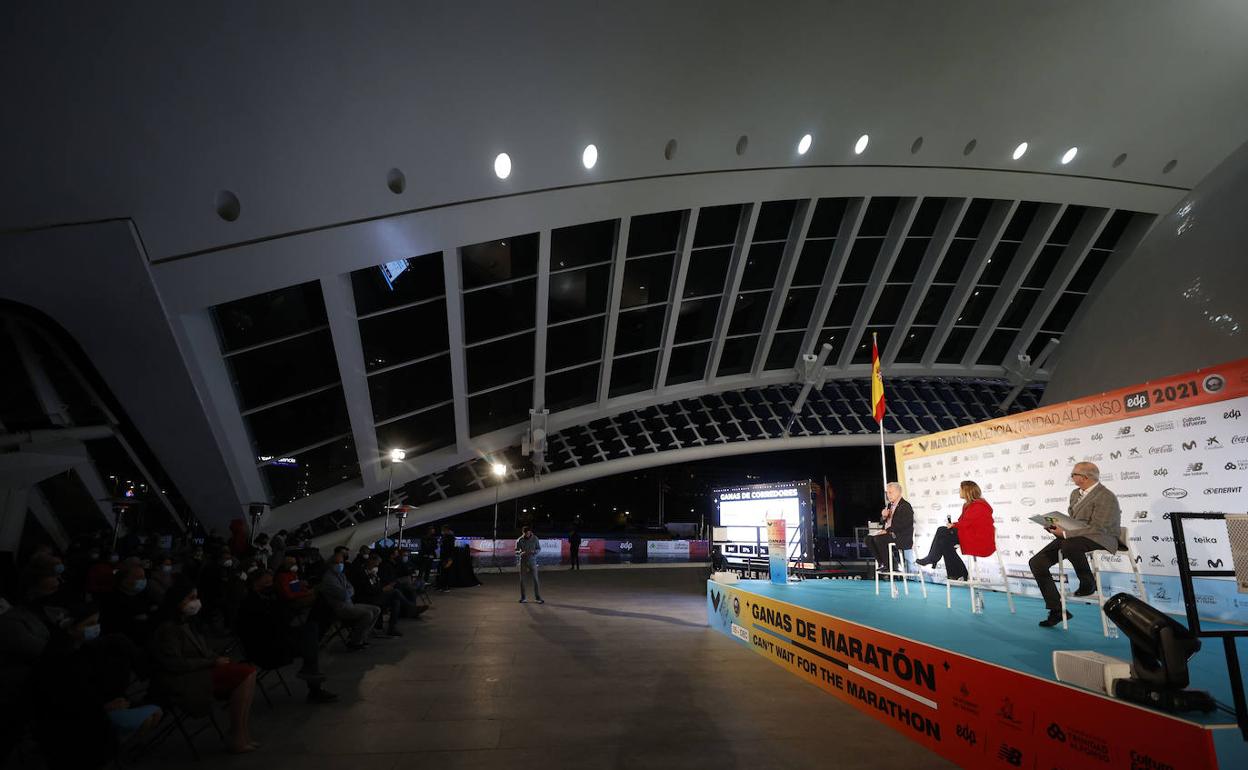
455,338
1086,233
897,229
543,310
846,234
45,392
994,226
13,504
736,269
1028,252
683,249
344,328
942,238
788,265
613,309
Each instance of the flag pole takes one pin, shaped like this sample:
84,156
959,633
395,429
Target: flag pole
878,377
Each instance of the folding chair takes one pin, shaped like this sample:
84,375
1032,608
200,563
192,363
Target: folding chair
336,631
174,719
906,564
1098,598
265,673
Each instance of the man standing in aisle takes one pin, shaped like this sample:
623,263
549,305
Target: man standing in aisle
1094,506
898,518
527,549
574,547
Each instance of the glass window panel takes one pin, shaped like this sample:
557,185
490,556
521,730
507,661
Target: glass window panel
954,262
573,344
976,305
276,371
774,220
797,308
717,226
403,335
418,434
933,305
826,220
707,270
738,356
502,260
1024,213
861,260
500,408
999,263
654,233
1065,229
909,258
878,217
862,355
411,387
913,347
299,423
315,470
421,279
1062,312
997,348
1039,274
578,293
749,313
1112,232
1086,275
785,348
813,263
973,220
927,217
833,337
1037,345
762,263
573,388
582,244
632,374
494,363
640,329
697,320
844,306
688,363
888,308
646,281
1019,307
496,311
955,347
269,316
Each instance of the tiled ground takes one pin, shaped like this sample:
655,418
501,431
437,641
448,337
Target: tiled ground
617,670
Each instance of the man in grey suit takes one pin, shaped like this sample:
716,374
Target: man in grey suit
1091,503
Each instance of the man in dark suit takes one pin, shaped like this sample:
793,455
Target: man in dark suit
1090,503
898,519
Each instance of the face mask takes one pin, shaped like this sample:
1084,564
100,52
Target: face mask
166,568
192,608
338,568
252,568
227,563
59,569
91,632
372,571
146,564
294,568
94,555
139,586
114,558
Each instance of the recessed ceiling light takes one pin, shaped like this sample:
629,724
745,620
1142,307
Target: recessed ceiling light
1070,155
590,156
804,144
861,144
1020,150
502,165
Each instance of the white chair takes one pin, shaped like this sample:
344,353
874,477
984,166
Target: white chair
1098,598
976,586
908,569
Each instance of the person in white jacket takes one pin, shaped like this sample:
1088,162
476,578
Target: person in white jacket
527,549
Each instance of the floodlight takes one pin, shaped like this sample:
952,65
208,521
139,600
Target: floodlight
1160,647
397,455
1020,150
502,165
590,156
499,469
1070,155
861,144
804,144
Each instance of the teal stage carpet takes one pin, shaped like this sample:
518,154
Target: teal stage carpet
996,636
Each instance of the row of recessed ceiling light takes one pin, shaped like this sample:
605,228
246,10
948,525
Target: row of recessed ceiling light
589,156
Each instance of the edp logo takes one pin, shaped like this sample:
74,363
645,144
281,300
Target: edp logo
1136,401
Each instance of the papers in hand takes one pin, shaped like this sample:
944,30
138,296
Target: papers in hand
1056,519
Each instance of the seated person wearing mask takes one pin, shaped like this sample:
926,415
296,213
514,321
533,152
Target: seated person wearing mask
129,609
370,590
273,634
338,591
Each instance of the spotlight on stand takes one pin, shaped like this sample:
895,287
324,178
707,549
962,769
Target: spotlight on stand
1160,647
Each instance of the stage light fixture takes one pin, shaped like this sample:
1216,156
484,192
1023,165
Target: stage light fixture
804,145
1020,150
502,165
861,145
1160,647
499,469
590,156
397,455
1070,155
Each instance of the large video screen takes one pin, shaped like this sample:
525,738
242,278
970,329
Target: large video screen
744,512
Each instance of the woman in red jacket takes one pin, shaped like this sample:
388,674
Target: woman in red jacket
974,532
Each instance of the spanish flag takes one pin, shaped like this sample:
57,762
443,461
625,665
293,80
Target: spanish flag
877,383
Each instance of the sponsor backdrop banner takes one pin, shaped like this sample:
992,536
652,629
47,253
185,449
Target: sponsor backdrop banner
974,713
1177,444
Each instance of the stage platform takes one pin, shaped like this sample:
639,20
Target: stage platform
977,689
